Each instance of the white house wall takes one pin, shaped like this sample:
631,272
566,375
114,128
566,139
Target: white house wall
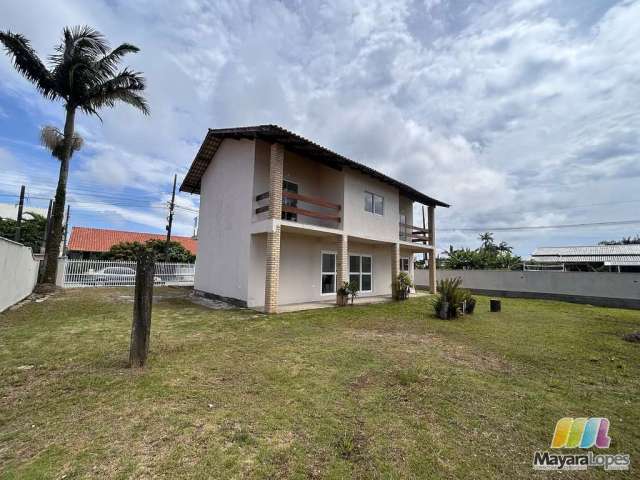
300,271
225,218
365,224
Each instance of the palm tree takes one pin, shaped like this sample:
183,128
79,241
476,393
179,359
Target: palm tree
83,74
487,240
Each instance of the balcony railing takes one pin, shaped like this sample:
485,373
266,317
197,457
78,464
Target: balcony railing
290,201
411,233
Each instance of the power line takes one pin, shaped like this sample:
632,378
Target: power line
539,227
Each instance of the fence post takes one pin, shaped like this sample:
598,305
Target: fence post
143,298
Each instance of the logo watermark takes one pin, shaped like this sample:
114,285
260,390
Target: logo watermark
581,433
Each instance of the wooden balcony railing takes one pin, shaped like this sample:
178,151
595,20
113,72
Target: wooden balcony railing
411,233
297,197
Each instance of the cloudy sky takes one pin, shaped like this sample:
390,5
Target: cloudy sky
521,113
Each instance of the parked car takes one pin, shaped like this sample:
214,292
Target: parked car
117,276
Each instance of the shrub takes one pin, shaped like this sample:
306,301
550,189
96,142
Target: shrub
403,284
353,290
449,292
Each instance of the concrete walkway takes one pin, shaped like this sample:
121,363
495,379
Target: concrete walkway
297,307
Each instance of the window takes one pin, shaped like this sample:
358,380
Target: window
360,272
292,187
328,273
373,203
404,264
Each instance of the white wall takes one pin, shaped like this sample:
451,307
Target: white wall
300,271
226,203
365,224
18,272
570,284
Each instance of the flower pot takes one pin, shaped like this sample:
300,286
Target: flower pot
342,300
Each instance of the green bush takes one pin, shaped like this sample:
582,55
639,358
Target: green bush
451,293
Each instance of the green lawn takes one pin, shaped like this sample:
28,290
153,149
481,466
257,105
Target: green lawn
380,391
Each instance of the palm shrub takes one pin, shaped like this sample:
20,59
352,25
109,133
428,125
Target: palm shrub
448,303
353,290
403,284
83,73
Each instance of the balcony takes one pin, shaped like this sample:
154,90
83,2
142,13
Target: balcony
413,234
329,212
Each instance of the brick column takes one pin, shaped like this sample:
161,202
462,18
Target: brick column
395,269
432,253
342,261
272,280
276,172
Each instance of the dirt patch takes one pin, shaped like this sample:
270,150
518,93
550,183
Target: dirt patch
459,354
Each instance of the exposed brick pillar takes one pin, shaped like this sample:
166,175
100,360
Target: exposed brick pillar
272,280
395,269
276,172
342,261
432,253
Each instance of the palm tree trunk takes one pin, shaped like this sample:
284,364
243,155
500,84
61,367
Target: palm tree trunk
52,249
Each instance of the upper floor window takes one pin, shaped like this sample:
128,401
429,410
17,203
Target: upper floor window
373,203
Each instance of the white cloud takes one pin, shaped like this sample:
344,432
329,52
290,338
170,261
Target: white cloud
506,110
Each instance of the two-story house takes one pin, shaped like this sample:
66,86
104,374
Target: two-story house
284,220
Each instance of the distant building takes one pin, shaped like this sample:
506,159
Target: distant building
599,258
91,242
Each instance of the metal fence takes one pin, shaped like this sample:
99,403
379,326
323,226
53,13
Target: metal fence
105,273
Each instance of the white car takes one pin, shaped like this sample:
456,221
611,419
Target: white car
117,276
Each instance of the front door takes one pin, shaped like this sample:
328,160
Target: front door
288,186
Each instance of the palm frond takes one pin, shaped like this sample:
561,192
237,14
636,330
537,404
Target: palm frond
107,65
82,38
53,140
27,62
123,87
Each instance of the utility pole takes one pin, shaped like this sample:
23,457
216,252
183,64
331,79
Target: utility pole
66,230
171,207
19,219
48,228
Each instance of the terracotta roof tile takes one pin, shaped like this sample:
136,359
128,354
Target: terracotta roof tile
85,239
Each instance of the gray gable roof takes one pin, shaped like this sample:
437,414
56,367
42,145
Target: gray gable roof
294,143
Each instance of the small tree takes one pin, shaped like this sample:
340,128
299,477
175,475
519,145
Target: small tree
128,251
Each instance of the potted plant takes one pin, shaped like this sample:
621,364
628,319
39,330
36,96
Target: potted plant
343,295
353,290
452,301
403,286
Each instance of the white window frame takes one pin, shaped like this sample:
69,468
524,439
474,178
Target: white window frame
408,264
360,273
334,273
373,196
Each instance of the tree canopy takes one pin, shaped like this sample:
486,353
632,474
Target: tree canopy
31,229
130,250
624,241
488,256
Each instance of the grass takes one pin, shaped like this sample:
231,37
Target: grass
380,391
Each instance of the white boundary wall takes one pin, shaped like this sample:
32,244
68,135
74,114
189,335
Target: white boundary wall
18,272
598,288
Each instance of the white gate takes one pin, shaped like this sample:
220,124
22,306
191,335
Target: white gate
107,273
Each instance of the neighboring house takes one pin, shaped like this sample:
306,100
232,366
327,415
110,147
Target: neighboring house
91,242
284,220
620,258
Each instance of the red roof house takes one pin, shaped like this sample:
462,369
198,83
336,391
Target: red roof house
86,240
